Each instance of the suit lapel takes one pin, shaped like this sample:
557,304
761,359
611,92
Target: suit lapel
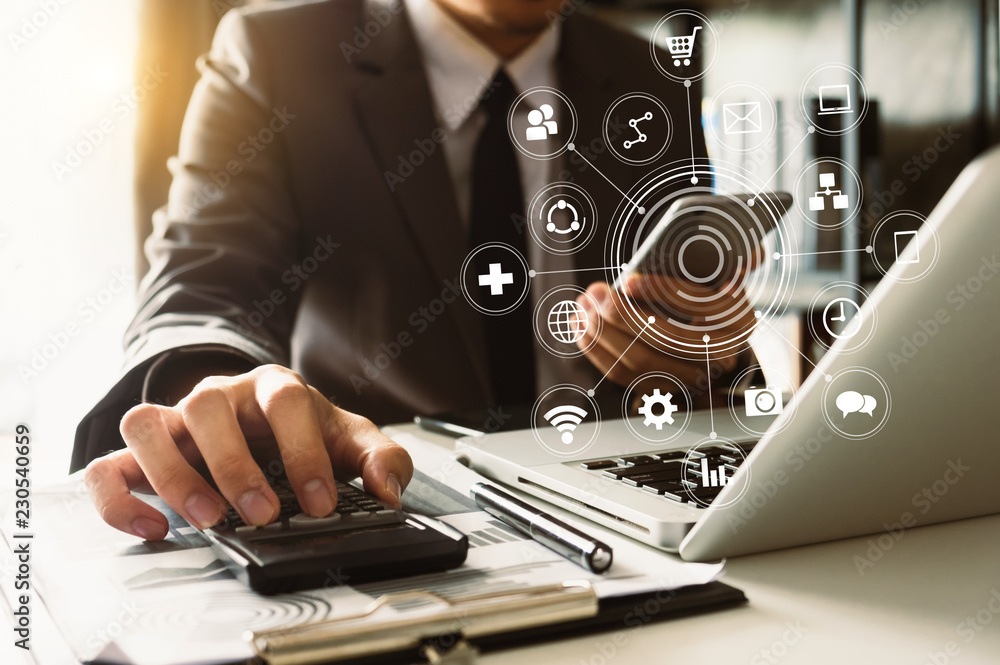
395,111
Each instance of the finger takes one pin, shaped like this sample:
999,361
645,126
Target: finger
108,480
288,406
358,448
148,435
210,416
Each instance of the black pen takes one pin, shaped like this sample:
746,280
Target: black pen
555,534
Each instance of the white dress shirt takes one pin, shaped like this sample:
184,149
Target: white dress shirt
459,68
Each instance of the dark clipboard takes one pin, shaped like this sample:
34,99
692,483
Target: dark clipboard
573,617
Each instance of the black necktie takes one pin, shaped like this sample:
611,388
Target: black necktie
497,201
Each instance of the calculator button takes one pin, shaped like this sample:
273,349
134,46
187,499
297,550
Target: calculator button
302,520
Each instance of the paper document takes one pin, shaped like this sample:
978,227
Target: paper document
117,599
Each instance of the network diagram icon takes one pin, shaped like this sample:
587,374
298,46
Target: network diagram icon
828,181
657,409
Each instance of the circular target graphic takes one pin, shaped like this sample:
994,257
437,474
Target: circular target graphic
707,272
216,615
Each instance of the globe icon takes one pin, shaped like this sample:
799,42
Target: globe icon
568,321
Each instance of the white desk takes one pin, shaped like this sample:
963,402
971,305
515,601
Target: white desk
810,605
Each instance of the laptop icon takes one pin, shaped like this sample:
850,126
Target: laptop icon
835,99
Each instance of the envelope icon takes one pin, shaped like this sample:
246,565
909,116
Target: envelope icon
742,118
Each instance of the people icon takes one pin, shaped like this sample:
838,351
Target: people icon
542,124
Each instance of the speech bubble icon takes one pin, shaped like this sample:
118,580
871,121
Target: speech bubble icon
869,406
851,402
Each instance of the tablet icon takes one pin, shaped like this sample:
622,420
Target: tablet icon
902,239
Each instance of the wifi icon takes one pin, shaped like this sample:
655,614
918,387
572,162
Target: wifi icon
565,419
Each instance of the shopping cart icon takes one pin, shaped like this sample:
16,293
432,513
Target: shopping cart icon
682,47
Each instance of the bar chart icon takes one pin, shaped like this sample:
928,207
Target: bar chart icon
715,478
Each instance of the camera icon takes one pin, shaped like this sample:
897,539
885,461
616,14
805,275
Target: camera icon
762,401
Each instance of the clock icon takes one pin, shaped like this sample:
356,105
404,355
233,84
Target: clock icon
842,318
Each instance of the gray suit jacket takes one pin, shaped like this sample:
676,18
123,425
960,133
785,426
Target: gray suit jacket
285,241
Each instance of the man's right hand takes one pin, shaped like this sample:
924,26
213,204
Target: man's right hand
230,427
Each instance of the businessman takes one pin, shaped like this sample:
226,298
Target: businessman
338,161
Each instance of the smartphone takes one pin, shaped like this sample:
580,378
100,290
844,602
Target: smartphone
708,239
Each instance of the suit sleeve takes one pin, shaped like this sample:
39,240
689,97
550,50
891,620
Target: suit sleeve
221,246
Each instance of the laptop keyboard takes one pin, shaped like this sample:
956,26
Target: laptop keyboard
664,474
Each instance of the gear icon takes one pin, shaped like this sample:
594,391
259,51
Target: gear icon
667,409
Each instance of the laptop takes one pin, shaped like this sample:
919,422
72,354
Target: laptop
901,431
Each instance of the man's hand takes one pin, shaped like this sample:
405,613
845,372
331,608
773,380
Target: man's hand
232,427
643,357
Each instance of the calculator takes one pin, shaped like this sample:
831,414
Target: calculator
362,540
